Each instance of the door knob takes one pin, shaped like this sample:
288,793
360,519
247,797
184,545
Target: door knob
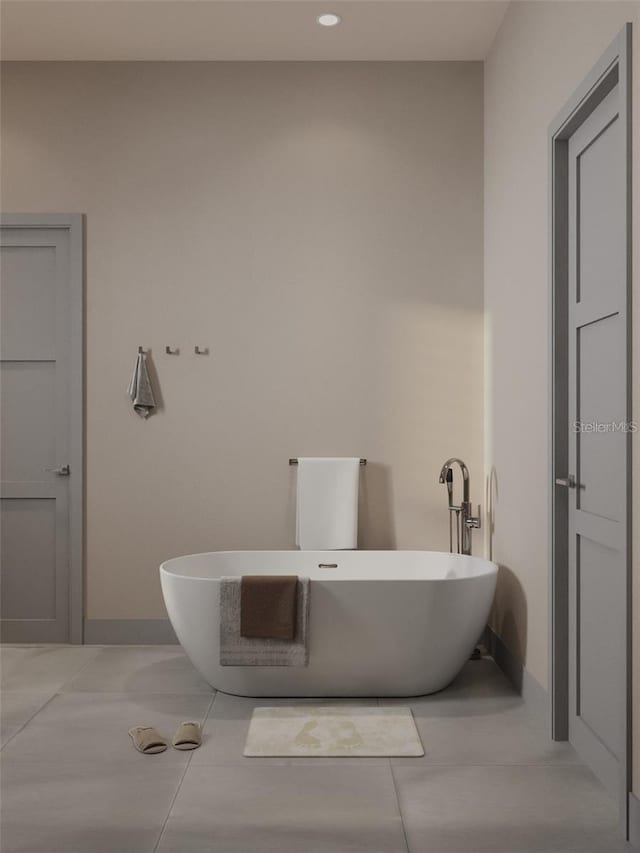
64,471
568,482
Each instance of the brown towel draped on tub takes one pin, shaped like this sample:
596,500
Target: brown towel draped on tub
268,605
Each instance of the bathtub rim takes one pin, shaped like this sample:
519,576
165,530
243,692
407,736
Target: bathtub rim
486,568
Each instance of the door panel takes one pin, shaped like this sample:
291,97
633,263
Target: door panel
36,304
28,412
599,212
598,441
29,549
601,401
600,666
28,302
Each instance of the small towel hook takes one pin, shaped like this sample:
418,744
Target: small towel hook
142,350
201,350
172,350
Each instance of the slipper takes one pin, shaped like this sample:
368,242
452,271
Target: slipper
147,740
188,736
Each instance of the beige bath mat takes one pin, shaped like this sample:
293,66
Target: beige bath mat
324,730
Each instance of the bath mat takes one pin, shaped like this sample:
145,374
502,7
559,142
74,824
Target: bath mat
343,730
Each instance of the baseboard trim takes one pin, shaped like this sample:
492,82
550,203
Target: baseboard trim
634,820
535,696
129,632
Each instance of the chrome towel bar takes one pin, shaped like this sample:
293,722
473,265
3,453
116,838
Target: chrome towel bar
295,462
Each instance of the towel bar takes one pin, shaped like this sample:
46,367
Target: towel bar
295,462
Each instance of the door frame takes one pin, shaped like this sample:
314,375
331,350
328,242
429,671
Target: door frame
613,68
73,223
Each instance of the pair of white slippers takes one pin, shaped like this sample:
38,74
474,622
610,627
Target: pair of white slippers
148,741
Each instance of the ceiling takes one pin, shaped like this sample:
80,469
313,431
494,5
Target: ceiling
248,29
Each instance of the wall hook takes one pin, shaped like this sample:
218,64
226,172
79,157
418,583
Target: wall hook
142,350
201,350
172,351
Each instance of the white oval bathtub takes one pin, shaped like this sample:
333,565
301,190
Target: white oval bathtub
382,623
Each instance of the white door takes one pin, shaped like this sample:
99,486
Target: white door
41,429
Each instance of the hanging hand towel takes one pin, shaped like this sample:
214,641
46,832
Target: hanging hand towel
140,390
327,504
236,650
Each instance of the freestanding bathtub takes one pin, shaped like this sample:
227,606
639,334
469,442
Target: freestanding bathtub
381,623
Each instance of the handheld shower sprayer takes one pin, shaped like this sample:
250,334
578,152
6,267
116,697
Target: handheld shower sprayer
449,481
447,478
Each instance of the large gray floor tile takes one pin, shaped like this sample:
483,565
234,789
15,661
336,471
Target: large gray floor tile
140,669
16,709
270,809
533,809
480,719
228,723
92,727
42,669
104,808
477,734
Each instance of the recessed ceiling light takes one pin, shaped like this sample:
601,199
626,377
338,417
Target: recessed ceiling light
329,20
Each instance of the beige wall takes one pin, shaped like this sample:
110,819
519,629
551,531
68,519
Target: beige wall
540,55
319,227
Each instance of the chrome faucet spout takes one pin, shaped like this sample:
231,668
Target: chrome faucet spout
444,475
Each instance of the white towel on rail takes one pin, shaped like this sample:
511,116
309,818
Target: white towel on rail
327,503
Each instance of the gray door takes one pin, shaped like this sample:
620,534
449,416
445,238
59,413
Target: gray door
40,438
598,441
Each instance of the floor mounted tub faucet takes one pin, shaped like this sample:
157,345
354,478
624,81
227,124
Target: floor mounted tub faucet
465,520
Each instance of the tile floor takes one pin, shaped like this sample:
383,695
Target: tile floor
72,783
